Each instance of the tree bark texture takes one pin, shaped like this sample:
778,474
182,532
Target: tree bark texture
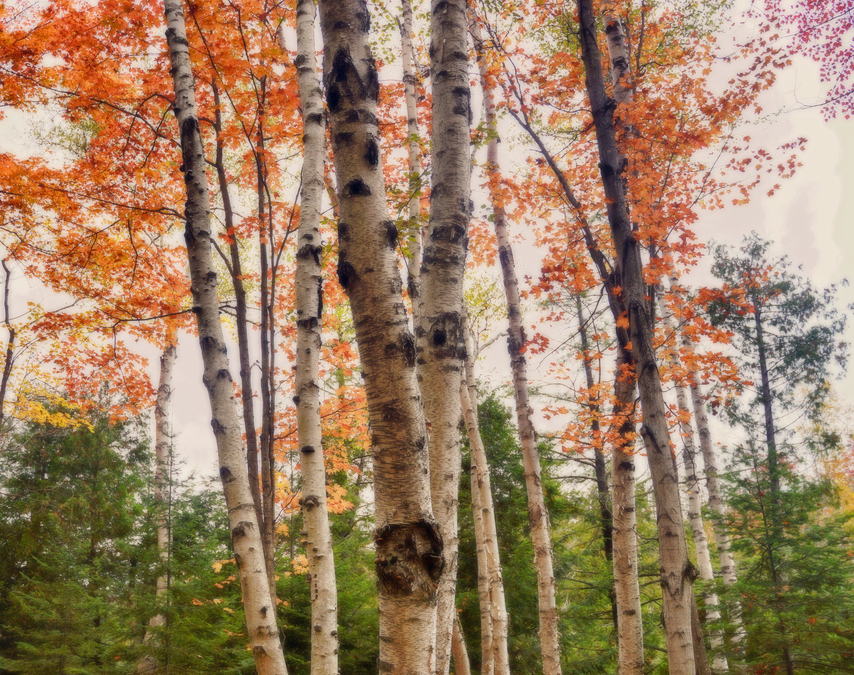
459,651
409,546
263,635
677,573
537,513
413,261
695,503
162,464
495,652
440,342
309,307
625,540
10,343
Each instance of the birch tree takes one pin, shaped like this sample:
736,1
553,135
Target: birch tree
245,535
309,292
440,340
494,617
162,464
409,545
692,484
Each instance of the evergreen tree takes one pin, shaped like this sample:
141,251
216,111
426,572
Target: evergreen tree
73,551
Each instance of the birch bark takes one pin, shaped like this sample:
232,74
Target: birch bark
677,573
309,306
537,513
409,546
495,653
440,342
260,613
692,484
626,583
162,463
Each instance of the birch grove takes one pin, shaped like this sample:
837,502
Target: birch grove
608,133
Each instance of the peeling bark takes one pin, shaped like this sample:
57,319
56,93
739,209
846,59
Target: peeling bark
409,546
262,632
309,307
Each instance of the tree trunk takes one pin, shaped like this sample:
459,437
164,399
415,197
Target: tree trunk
677,573
458,649
309,307
729,572
692,484
495,653
537,513
241,319
10,344
409,558
626,585
260,612
163,463
413,260
440,342
601,472
268,391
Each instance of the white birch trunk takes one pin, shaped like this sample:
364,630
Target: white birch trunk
626,585
413,262
459,650
537,513
309,295
409,558
439,333
486,645
729,572
692,484
497,660
162,457
262,633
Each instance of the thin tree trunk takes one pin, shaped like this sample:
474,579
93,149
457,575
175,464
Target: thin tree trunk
729,572
458,649
440,342
537,513
677,572
241,318
409,558
268,405
487,666
10,344
309,306
162,461
626,583
495,655
413,261
263,635
601,471
692,484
